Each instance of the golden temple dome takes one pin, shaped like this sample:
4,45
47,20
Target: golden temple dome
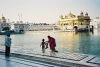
86,14
70,15
61,16
3,19
81,12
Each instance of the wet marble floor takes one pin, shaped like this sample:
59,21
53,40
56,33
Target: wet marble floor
19,62
60,58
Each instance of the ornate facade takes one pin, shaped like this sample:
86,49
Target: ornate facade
71,21
4,24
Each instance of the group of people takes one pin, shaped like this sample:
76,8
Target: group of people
51,41
52,44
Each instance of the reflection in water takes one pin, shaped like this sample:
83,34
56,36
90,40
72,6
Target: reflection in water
69,41
8,64
85,45
76,42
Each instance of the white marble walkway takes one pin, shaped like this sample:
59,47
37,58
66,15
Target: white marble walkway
72,58
18,62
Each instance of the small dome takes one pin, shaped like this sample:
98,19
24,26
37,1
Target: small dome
81,12
70,15
3,18
65,16
86,13
61,16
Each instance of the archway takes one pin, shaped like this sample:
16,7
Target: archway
21,31
6,28
75,28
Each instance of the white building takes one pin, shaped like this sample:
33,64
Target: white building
4,25
21,27
95,22
12,26
41,27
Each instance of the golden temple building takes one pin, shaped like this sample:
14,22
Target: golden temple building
71,21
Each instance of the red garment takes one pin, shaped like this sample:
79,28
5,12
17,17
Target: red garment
52,42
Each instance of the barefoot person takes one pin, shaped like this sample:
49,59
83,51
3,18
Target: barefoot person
43,45
52,43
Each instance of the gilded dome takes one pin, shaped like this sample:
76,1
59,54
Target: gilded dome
81,12
61,16
86,13
3,18
70,15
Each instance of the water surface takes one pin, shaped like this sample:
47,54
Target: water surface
85,43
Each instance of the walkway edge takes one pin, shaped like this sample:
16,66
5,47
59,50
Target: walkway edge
53,60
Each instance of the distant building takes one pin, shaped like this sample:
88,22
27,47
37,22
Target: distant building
71,21
4,25
95,22
40,26
21,27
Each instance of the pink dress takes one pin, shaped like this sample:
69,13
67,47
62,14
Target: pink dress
52,42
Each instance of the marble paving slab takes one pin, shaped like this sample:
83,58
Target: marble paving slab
94,60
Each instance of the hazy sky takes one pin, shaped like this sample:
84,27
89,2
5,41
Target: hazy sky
47,11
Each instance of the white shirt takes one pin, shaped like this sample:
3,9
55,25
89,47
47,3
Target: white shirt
8,41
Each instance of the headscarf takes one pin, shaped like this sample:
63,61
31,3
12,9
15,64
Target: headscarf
8,34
